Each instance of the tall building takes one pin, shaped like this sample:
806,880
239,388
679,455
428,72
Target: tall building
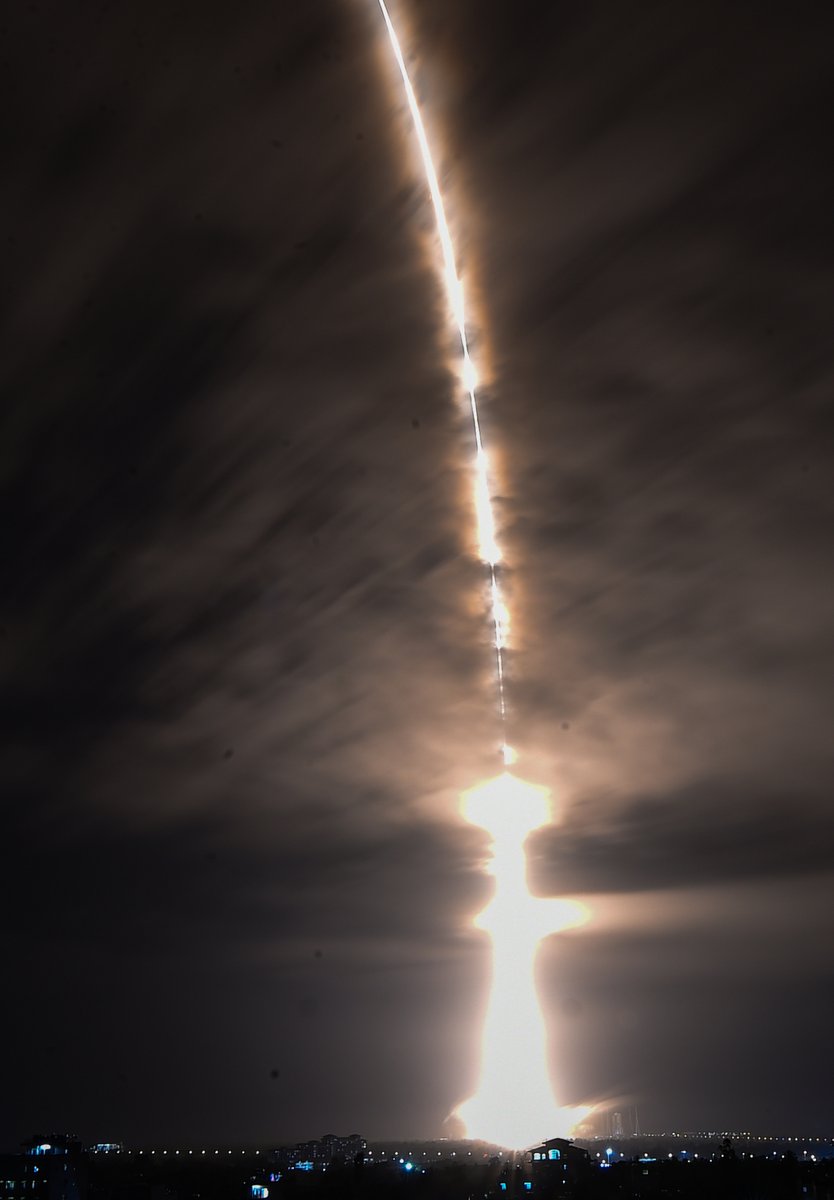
52,1167
558,1164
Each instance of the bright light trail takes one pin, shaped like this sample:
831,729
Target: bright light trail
487,542
514,1104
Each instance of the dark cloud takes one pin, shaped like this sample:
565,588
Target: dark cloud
718,831
246,673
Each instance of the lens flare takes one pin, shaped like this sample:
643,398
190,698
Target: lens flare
514,1103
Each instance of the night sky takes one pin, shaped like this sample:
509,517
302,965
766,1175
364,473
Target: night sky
246,670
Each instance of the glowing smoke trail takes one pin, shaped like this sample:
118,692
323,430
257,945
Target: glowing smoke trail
514,1104
487,543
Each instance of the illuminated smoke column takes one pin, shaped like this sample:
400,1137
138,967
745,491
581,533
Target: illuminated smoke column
514,1103
487,544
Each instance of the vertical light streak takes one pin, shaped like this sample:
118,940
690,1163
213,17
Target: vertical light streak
488,549
514,1103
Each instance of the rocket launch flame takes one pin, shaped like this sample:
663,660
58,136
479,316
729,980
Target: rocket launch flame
514,1103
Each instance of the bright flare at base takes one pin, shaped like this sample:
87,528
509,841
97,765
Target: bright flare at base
514,1103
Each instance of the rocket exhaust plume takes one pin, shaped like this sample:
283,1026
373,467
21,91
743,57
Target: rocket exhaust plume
514,1104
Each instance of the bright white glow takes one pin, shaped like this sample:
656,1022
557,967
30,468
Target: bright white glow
514,1104
487,542
469,375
